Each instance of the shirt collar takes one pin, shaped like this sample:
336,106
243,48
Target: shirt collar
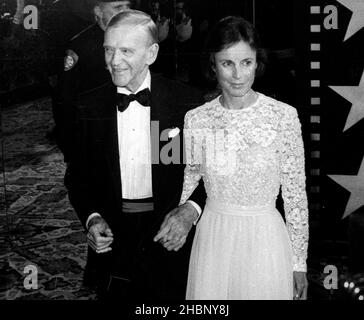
146,84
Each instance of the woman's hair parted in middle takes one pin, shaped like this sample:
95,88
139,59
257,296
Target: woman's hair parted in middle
227,32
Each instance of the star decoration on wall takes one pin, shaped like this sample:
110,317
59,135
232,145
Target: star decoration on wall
354,184
354,94
357,19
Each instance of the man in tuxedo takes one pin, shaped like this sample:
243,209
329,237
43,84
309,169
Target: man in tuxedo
128,173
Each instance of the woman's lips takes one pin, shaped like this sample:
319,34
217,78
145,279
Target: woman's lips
237,85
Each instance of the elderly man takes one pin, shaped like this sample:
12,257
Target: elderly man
122,182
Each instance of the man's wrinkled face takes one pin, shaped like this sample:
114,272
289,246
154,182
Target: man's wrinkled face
128,53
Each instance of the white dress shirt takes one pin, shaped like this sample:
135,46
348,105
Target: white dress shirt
135,147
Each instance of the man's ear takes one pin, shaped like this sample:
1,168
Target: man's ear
152,53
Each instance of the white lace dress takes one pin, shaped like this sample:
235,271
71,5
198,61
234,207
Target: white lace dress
242,249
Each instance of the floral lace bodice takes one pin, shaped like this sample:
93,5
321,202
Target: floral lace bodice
245,156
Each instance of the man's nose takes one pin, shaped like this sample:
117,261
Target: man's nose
116,58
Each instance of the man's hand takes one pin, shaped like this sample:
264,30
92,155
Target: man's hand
184,30
163,29
99,236
300,285
176,226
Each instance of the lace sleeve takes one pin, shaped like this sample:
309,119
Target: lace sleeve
192,174
293,181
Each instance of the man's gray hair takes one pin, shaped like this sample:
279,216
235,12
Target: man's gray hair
135,18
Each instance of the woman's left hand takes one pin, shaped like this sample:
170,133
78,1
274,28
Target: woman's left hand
300,285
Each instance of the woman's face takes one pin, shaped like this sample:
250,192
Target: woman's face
235,69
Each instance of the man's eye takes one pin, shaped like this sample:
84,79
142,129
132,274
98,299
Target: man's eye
109,50
126,52
226,63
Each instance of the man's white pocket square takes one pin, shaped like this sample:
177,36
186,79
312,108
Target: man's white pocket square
173,133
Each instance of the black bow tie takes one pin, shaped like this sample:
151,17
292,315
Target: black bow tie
123,100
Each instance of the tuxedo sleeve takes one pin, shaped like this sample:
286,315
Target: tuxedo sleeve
81,195
199,195
83,176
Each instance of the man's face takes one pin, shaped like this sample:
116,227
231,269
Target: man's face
128,54
109,9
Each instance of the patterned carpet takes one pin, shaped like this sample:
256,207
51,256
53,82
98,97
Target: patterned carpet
42,230
45,231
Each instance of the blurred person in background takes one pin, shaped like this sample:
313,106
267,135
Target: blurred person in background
84,69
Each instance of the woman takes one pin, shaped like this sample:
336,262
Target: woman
245,146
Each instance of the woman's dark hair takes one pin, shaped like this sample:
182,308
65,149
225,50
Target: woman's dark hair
227,32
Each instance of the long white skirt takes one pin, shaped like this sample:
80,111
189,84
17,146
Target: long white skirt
240,253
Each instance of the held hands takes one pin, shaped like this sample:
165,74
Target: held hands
300,285
99,236
176,226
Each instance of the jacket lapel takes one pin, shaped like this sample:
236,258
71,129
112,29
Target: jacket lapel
157,101
160,120
112,144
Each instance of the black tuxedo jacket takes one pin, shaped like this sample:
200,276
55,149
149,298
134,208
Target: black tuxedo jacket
93,178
